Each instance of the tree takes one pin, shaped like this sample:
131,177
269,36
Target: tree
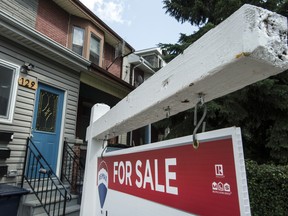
206,14
261,109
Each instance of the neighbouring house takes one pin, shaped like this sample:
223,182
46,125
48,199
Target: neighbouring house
57,59
142,64
138,67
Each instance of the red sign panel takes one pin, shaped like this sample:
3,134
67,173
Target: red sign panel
199,181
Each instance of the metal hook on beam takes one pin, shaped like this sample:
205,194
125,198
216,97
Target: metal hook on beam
167,129
104,147
201,102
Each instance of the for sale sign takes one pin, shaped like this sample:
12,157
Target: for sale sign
173,178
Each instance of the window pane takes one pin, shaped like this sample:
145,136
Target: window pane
94,49
152,59
47,111
78,40
6,82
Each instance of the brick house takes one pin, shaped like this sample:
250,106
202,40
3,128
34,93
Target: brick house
57,59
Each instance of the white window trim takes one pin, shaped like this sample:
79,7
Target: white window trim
92,34
14,90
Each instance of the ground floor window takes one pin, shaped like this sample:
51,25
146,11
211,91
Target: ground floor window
8,88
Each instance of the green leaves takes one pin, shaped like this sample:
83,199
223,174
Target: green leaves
206,14
261,109
268,188
184,41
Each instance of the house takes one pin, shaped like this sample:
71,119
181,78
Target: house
57,59
142,64
138,67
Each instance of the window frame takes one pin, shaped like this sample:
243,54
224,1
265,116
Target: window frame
14,88
84,39
88,29
92,35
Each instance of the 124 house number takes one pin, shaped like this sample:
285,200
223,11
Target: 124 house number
28,83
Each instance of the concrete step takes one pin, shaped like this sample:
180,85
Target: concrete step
34,207
70,211
31,206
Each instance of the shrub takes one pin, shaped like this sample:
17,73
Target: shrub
268,189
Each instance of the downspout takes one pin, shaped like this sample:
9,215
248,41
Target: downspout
122,56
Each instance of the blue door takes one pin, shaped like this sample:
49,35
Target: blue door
47,120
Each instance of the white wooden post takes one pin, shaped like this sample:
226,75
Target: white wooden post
249,46
94,149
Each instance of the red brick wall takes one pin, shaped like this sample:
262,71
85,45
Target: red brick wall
52,21
109,57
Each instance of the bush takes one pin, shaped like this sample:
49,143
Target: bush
268,189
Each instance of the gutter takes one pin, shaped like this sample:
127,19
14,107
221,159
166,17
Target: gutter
95,68
134,59
25,35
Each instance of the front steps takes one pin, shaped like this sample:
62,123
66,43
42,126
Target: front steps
30,205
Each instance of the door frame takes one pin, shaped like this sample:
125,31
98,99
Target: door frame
61,136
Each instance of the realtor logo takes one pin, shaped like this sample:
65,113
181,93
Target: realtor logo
219,172
102,182
220,188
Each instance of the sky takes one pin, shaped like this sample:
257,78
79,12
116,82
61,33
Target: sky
141,23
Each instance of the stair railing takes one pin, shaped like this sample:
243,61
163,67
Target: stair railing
47,187
72,169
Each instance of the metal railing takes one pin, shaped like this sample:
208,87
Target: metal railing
47,187
72,169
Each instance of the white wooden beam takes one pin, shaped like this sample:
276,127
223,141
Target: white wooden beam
249,46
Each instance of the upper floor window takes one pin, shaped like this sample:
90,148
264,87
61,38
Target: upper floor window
94,55
8,86
152,59
78,40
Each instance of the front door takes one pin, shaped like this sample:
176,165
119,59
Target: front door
47,121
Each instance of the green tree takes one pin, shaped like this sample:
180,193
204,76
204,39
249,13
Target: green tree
261,109
206,14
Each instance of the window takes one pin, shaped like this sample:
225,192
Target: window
47,111
94,55
78,40
8,87
152,59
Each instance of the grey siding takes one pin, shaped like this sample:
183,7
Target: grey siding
45,71
23,10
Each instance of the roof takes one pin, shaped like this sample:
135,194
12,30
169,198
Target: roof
154,50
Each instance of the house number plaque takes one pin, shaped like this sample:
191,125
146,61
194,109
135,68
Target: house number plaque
28,83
